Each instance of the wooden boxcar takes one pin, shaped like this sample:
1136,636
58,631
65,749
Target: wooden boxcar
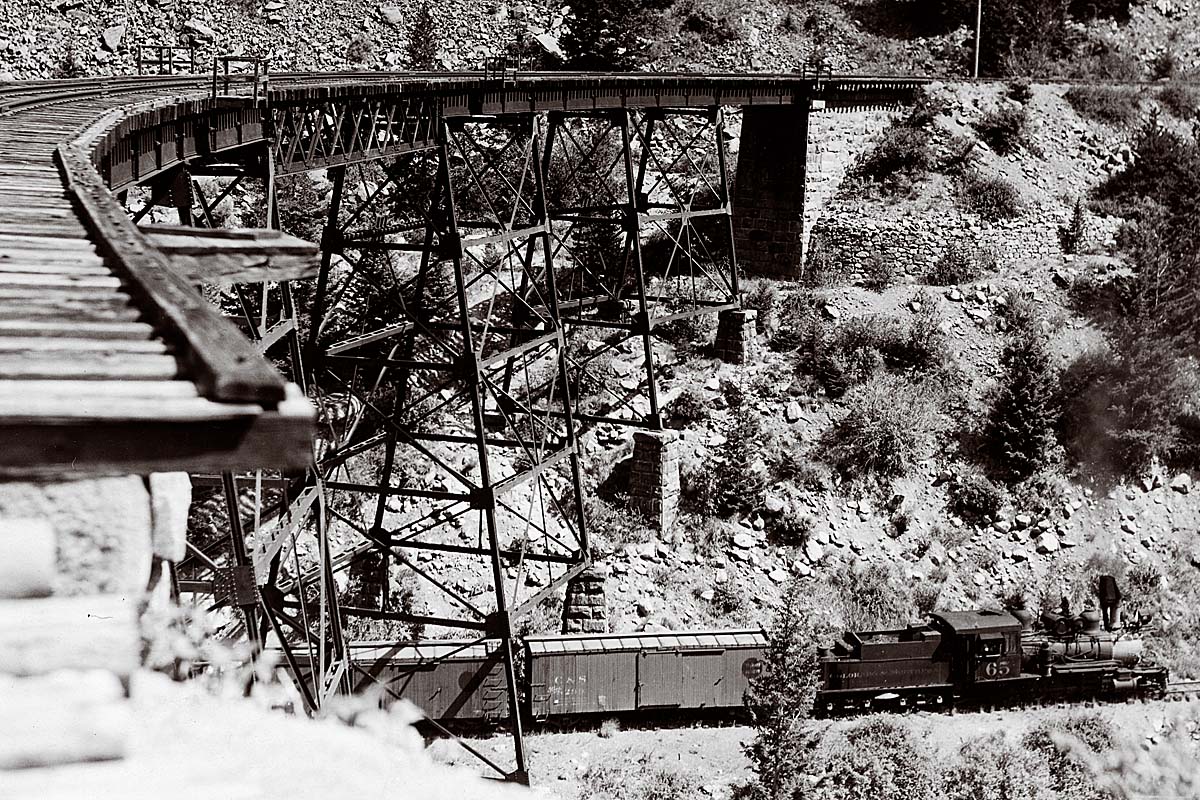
448,680
607,673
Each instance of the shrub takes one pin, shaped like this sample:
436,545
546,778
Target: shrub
1112,105
1164,66
879,272
799,322
764,299
791,529
976,499
900,156
1070,774
1021,430
957,264
888,426
712,22
610,34
1180,100
360,50
991,197
1126,408
1020,91
424,41
1004,129
689,406
989,767
821,265
878,758
872,597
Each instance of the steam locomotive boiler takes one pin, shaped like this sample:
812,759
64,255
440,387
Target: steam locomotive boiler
985,657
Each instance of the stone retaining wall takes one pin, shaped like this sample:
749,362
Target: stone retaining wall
848,239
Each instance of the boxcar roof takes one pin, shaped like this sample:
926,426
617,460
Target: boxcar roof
977,621
625,642
430,650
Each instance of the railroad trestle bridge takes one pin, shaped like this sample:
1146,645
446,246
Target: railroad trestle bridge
418,386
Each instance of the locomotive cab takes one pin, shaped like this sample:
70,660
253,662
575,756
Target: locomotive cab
986,648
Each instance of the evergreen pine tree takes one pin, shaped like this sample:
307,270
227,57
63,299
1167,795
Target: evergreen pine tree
1021,431
781,699
424,41
609,34
739,484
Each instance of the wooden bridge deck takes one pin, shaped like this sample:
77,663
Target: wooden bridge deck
92,376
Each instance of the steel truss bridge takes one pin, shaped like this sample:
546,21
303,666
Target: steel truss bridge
418,392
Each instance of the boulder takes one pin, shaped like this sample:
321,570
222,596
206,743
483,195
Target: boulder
199,29
392,15
792,412
1047,543
813,551
743,540
112,36
1182,483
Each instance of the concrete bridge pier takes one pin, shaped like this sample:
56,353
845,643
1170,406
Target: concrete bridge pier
768,197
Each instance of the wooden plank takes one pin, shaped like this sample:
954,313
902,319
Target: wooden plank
149,390
39,636
43,366
279,439
220,359
93,331
88,348
12,279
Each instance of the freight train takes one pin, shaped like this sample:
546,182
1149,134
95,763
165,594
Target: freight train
971,657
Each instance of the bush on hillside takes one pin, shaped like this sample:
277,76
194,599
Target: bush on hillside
993,198
1021,433
878,758
889,425
360,50
1125,408
871,597
1112,105
1004,129
1179,100
1020,91
712,21
689,407
1071,775
989,767
821,265
959,263
791,529
1071,235
879,272
976,499
764,299
798,316
738,482
611,34
901,156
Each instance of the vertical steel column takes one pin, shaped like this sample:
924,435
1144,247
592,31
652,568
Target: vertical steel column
331,242
501,623
727,201
633,221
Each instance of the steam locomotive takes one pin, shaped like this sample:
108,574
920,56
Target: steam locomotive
990,657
